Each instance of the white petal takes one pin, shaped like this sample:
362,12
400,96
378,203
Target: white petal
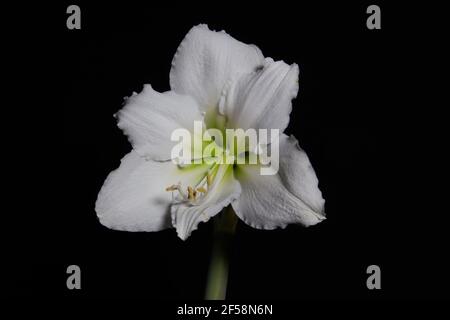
150,117
263,99
291,196
298,174
224,190
206,60
133,197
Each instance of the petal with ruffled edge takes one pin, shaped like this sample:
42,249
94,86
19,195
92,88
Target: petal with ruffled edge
206,60
224,190
149,119
290,196
262,99
134,196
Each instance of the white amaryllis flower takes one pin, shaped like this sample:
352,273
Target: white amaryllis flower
226,84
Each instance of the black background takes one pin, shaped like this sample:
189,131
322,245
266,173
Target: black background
350,116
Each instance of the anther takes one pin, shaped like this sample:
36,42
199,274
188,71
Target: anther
172,188
201,189
191,195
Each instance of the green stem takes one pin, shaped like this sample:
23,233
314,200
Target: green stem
224,226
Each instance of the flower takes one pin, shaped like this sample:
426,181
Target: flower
225,84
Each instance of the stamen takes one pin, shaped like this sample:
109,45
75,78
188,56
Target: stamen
176,187
172,188
208,179
191,195
201,189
